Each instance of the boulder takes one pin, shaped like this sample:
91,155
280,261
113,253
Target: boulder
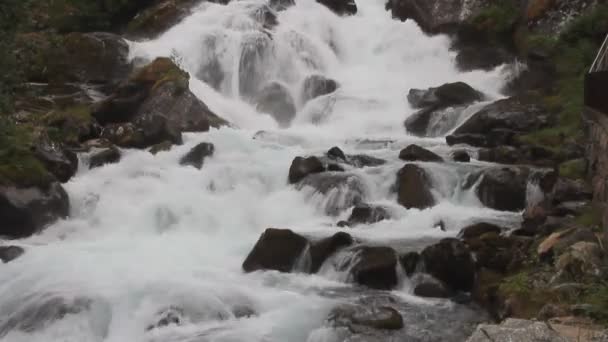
324,248
358,318
277,249
59,161
478,229
150,133
303,167
276,100
409,262
336,153
161,147
481,56
340,7
581,260
478,140
367,214
414,188
461,156
499,253
501,155
157,19
341,190
516,330
108,156
10,253
447,95
317,85
501,188
417,153
431,289
361,160
375,267
26,211
451,262
196,156
517,114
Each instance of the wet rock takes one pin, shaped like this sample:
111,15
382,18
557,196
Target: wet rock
26,211
499,253
340,7
366,214
361,160
467,139
451,262
516,330
410,261
323,249
477,56
108,156
336,153
478,229
341,190
335,168
461,156
277,249
500,154
10,253
303,167
197,155
167,317
276,100
317,85
447,95
281,5
515,114
343,224
265,15
431,288
256,53
357,318
375,267
161,147
157,19
417,153
59,161
414,188
501,188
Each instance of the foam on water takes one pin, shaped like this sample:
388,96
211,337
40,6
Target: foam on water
147,233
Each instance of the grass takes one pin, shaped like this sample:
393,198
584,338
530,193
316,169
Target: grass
597,297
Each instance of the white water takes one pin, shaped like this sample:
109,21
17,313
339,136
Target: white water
147,234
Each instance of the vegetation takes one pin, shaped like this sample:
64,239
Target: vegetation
497,21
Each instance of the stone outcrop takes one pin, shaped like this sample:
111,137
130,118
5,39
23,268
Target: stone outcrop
414,188
277,249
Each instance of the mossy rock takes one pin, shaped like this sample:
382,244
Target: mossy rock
573,169
160,71
159,18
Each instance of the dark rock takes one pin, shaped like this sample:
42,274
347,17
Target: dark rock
414,188
161,147
375,267
366,214
276,100
360,317
317,85
157,19
451,262
501,155
461,156
431,289
303,167
59,161
340,7
26,211
281,5
502,188
467,139
418,123
568,190
277,249
409,261
499,253
474,57
478,229
323,249
170,316
197,155
10,253
361,160
343,224
449,94
335,168
108,156
342,190
336,154
417,153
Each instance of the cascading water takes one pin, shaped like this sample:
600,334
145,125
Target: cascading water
147,234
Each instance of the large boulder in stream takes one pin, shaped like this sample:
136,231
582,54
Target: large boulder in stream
501,188
449,94
276,100
27,210
375,267
62,163
109,155
414,188
322,249
451,262
153,106
277,249
417,153
367,214
340,7
302,167
196,156
317,85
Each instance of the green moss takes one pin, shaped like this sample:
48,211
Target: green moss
161,71
591,216
496,20
573,169
597,297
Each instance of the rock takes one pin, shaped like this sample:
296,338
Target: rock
303,167
580,260
169,316
343,224
323,249
499,253
75,57
410,261
281,5
26,211
417,153
361,160
340,7
478,229
447,95
501,188
467,139
568,190
108,156
197,155
451,262
375,267
341,190
366,214
501,155
277,249
359,317
516,330
481,56
515,114
414,188
461,156
431,289
317,85
10,253
157,19
276,100
59,161
161,147
336,153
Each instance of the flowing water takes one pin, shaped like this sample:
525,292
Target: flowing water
147,234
